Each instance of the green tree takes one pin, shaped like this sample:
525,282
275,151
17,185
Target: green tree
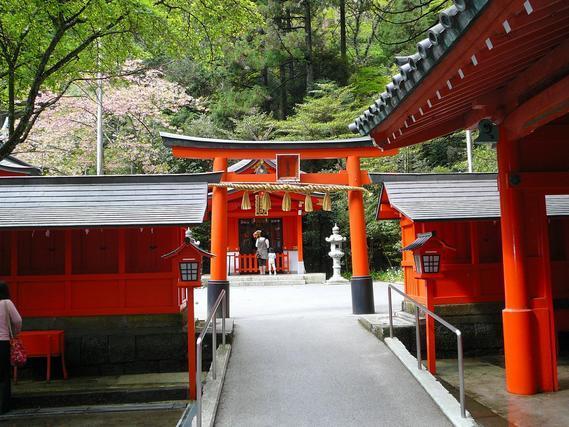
49,44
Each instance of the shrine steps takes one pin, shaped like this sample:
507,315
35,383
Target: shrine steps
277,280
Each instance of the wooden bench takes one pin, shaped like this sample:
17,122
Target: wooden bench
48,344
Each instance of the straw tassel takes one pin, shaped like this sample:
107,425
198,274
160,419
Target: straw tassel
286,202
308,203
266,201
245,201
327,202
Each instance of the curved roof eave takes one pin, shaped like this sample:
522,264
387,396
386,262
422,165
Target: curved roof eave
453,23
173,140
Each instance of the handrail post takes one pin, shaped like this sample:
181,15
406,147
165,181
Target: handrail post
224,315
418,308
221,300
390,311
418,338
199,382
460,372
214,344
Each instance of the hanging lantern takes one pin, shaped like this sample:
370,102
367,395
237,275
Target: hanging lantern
286,202
245,201
327,202
308,203
267,200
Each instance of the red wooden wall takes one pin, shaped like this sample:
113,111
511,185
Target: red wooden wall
80,272
472,273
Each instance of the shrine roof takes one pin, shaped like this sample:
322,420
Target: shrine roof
12,164
438,197
483,59
245,164
99,201
453,22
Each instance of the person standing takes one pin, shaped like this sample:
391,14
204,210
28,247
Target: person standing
272,261
262,245
10,320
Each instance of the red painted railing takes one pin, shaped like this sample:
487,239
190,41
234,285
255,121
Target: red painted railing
247,263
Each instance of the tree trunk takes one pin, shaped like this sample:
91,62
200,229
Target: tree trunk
11,100
282,91
265,76
343,49
308,56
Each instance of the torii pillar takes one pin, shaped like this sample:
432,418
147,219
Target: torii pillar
218,280
362,284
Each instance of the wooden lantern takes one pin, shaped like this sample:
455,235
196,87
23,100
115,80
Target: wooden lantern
189,257
427,252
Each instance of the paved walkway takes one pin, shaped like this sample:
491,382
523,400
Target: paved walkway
311,364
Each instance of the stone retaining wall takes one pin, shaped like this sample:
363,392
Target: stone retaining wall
480,324
115,345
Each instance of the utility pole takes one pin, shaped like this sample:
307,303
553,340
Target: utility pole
469,149
99,96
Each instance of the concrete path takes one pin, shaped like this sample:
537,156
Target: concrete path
300,359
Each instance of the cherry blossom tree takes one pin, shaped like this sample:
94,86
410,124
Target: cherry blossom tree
136,108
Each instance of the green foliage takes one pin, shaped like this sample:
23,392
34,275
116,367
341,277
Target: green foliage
323,114
246,63
370,80
390,275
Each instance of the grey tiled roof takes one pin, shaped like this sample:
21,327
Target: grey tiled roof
103,201
435,197
12,164
413,68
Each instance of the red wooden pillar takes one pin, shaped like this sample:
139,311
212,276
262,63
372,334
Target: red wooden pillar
517,316
299,243
430,328
218,281
528,347
191,344
361,283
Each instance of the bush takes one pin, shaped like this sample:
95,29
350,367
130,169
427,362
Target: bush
391,275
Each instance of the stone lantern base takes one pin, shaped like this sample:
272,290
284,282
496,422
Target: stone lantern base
335,280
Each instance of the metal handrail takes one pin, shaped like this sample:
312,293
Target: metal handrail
453,329
210,320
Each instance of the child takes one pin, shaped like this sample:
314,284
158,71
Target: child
272,260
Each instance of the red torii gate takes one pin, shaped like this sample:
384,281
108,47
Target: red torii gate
222,150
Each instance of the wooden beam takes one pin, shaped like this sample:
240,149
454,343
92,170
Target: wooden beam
544,182
269,153
425,134
340,178
543,108
554,63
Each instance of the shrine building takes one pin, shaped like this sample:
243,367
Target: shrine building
280,222
463,211
501,66
98,258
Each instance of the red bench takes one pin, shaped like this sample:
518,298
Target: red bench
48,344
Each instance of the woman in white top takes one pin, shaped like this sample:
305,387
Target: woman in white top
262,245
8,313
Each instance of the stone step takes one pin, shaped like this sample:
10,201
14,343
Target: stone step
269,283
257,277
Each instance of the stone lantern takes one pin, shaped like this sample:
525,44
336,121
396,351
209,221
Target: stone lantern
336,241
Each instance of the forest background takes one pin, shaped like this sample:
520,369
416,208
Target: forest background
239,69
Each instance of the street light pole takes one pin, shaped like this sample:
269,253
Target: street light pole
469,149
